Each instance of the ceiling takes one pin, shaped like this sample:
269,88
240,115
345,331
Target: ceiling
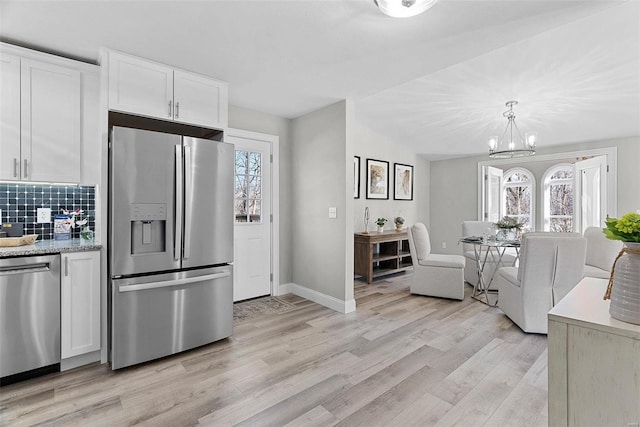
436,82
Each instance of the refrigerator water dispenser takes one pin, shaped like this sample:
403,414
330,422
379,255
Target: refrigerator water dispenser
148,227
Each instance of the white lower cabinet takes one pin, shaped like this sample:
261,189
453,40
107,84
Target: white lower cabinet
80,303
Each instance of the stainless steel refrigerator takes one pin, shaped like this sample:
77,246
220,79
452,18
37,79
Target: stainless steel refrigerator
170,243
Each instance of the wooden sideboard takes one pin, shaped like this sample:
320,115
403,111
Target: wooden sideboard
594,361
380,254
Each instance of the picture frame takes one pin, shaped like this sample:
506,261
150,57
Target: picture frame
377,179
402,182
356,177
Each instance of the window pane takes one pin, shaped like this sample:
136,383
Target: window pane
241,162
561,225
255,187
562,174
255,164
255,211
240,210
241,187
561,199
517,177
517,200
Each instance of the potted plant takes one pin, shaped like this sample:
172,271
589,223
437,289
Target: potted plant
399,221
380,222
624,283
507,228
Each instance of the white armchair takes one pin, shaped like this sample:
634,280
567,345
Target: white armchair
434,274
479,229
601,252
550,266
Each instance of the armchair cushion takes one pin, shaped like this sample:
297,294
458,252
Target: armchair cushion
601,252
437,260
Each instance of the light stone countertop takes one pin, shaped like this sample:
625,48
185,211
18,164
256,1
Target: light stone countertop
45,247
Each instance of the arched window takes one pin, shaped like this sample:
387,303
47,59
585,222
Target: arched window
558,198
519,196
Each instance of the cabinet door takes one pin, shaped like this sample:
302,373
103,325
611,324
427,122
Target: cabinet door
50,117
10,117
80,303
140,87
200,100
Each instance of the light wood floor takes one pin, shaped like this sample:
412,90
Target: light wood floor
399,360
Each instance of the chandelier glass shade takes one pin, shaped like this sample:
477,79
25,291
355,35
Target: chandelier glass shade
512,144
403,8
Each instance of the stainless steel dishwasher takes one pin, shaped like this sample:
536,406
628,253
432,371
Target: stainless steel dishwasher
29,317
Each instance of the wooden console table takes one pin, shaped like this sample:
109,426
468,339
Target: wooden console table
379,254
594,361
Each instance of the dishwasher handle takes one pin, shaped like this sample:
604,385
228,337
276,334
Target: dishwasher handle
25,269
169,283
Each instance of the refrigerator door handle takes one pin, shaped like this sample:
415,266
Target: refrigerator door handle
169,283
188,200
177,242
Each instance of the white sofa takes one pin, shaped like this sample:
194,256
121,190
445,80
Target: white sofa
479,229
434,275
601,252
551,264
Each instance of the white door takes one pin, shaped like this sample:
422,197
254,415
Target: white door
590,199
252,207
491,194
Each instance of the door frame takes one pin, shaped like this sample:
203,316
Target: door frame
274,143
612,178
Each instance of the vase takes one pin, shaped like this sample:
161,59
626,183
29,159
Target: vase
625,293
86,234
380,228
398,227
506,234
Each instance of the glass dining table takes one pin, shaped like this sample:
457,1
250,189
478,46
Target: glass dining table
486,252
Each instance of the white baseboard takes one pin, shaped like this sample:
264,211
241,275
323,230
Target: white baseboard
284,288
83,359
318,297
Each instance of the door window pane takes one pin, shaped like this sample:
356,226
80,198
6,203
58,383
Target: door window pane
248,187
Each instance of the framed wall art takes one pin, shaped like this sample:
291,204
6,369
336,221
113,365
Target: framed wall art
356,177
402,182
377,179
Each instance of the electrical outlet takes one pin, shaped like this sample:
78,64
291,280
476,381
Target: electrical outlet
444,245
44,215
333,213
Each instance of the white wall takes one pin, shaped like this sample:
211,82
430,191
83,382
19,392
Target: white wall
454,188
245,119
321,172
369,144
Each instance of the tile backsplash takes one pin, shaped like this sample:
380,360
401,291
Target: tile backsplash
19,203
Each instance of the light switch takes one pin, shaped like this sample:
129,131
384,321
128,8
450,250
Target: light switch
44,215
333,213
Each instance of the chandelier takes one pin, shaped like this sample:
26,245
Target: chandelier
511,144
403,8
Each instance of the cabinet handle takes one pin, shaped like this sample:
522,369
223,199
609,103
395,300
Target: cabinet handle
15,167
170,109
25,168
177,110
66,266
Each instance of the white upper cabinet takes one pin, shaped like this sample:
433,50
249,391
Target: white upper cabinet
199,100
146,88
41,130
9,117
50,116
140,87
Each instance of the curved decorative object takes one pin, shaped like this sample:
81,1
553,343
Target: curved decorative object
404,8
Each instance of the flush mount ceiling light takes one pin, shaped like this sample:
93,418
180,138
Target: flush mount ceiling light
404,8
511,144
